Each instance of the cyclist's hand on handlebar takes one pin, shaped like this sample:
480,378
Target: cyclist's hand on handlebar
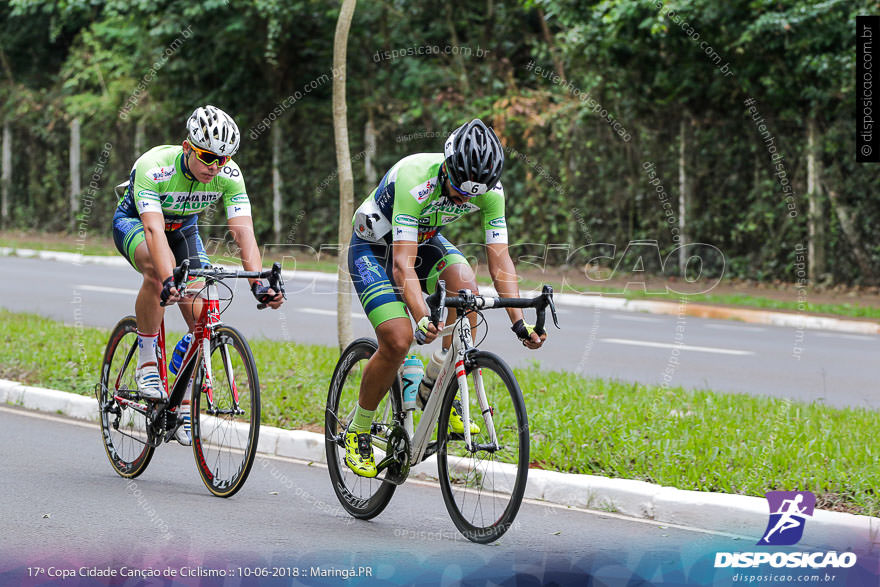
527,334
428,330
266,295
169,294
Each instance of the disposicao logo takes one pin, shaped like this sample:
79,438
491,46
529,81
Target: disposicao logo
789,511
788,515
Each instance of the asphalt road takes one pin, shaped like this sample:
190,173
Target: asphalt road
63,507
725,356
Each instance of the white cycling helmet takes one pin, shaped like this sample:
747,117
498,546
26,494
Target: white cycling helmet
213,130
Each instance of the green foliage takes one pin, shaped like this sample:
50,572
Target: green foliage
570,176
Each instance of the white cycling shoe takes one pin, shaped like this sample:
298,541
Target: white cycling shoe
182,434
148,382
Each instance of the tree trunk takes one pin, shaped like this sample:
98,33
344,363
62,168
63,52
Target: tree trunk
370,150
548,38
75,185
684,196
139,132
453,36
276,181
6,179
816,215
343,162
845,216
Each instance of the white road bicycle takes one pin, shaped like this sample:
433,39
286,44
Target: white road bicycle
482,476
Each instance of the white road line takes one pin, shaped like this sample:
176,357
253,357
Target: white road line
637,318
328,312
740,328
104,289
849,336
684,347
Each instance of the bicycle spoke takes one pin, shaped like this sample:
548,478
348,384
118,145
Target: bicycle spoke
483,483
226,412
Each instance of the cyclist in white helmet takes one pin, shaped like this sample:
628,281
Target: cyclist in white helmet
155,228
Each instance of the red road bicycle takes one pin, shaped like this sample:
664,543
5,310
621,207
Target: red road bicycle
225,399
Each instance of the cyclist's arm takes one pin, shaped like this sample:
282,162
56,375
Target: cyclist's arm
242,229
157,244
403,270
503,274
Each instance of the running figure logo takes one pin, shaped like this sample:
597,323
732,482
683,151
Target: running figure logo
788,511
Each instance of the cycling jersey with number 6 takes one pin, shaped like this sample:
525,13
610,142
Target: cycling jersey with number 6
408,205
161,182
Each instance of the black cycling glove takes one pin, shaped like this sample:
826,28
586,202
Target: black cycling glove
261,292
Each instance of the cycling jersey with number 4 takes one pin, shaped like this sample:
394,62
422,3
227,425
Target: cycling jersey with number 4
161,182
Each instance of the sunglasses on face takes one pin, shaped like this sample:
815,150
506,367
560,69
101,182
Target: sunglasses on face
209,158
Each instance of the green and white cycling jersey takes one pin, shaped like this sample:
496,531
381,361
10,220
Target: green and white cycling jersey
407,205
161,182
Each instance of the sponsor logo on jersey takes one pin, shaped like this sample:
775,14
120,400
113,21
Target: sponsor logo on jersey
447,218
161,173
449,207
426,233
423,190
425,220
239,199
148,195
498,223
406,220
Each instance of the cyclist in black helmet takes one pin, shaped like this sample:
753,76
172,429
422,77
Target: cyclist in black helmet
397,252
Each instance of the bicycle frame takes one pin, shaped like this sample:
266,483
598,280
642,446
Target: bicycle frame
207,322
453,366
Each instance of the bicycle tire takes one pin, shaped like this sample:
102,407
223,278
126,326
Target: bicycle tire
484,512
362,497
225,442
128,450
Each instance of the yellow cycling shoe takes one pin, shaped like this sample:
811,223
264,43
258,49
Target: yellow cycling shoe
456,424
359,453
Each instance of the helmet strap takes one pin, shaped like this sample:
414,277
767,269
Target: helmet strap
442,175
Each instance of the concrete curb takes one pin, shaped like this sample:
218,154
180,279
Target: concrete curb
798,320
719,512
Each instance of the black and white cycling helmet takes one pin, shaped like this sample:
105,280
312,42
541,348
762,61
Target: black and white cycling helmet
474,158
213,130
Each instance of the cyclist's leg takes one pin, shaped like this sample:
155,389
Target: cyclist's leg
387,314
128,235
442,260
186,243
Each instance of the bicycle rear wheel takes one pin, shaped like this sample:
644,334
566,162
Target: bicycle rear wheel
123,427
361,497
226,413
483,487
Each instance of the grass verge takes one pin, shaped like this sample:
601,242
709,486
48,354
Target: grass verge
697,440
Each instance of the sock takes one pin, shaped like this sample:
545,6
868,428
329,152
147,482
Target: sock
362,421
147,348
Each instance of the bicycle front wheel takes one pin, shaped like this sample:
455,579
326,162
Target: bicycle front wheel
123,426
361,497
483,485
226,413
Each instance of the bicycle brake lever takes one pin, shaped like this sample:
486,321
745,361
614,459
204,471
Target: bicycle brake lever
548,293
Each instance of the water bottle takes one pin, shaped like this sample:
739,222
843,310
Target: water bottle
431,373
179,352
412,374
